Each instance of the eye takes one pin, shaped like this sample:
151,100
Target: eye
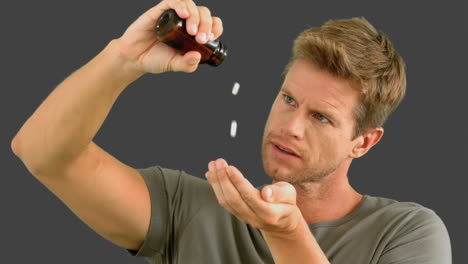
321,118
288,99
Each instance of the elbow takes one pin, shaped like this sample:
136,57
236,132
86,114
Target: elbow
36,159
15,146
18,149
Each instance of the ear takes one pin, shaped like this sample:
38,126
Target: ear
364,142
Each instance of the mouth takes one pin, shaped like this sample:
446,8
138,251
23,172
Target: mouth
284,150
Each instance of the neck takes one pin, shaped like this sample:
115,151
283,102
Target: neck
331,199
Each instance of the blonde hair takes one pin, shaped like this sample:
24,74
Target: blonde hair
354,50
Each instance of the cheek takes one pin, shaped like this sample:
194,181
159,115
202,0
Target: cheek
325,146
339,147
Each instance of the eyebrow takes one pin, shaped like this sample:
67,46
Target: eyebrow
324,110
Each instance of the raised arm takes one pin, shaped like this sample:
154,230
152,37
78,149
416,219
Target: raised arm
55,143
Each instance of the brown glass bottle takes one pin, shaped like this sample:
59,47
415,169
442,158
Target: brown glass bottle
171,30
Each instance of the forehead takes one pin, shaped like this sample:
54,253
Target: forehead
318,88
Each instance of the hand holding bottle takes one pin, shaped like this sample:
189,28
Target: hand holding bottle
140,46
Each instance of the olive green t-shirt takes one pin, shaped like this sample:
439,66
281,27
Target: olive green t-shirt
189,226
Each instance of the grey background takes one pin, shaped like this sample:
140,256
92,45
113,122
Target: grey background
183,120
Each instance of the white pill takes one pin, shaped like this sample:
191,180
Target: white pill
235,88
233,128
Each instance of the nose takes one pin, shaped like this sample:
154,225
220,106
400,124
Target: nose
294,126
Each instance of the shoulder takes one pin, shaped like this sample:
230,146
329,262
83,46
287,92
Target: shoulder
412,231
407,222
405,212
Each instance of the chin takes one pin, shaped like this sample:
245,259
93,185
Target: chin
277,173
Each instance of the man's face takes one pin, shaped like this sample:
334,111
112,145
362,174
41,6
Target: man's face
308,133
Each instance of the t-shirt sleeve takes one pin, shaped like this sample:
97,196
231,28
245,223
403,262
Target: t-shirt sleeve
423,238
176,197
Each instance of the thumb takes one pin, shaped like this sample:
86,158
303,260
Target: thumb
280,192
186,63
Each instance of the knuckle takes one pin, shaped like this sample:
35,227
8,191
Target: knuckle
271,220
221,175
204,10
217,20
194,13
218,24
247,198
233,173
192,6
179,5
230,201
235,203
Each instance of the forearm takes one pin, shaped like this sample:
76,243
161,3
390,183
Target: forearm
66,122
297,247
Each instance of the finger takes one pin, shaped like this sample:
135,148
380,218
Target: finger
279,192
155,12
204,28
216,28
193,19
239,181
221,163
186,63
233,197
212,179
250,195
211,166
181,9
270,215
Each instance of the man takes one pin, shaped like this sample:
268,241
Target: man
342,82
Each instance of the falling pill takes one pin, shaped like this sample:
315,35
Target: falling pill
235,88
233,128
